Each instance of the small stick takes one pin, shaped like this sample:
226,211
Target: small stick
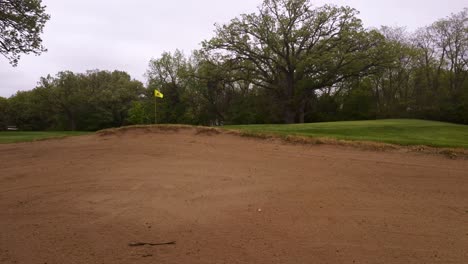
139,244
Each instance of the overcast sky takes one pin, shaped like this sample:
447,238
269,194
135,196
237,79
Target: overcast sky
124,35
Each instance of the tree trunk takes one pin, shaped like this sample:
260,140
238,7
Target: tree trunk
289,115
289,109
301,117
71,121
301,112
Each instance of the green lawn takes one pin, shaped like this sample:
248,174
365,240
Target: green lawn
396,131
23,136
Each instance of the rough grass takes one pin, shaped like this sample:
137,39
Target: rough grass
406,132
28,136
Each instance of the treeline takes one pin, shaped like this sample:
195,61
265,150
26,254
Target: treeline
286,63
70,101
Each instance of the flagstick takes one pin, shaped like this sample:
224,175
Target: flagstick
155,114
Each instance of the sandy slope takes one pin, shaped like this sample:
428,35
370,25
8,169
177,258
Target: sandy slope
84,199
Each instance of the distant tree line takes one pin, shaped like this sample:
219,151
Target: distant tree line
286,63
69,101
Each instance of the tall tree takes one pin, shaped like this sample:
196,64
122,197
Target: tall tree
215,85
112,94
167,74
67,93
89,101
293,50
392,86
451,36
21,24
30,110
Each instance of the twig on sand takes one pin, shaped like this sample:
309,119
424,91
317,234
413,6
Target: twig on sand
139,244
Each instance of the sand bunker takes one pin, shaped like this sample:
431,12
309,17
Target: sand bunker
125,197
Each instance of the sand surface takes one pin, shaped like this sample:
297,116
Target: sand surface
227,199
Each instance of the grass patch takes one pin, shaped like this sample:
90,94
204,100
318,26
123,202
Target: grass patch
28,136
406,132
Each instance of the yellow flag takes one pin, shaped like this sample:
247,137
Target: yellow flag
158,94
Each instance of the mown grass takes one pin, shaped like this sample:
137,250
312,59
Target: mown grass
394,131
27,136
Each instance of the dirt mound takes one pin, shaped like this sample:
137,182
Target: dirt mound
452,153
196,195
143,129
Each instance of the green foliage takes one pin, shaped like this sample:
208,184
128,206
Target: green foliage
398,131
3,113
69,101
30,110
241,77
137,114
21,136
21,24
288,62
167,74
291,49
358,105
